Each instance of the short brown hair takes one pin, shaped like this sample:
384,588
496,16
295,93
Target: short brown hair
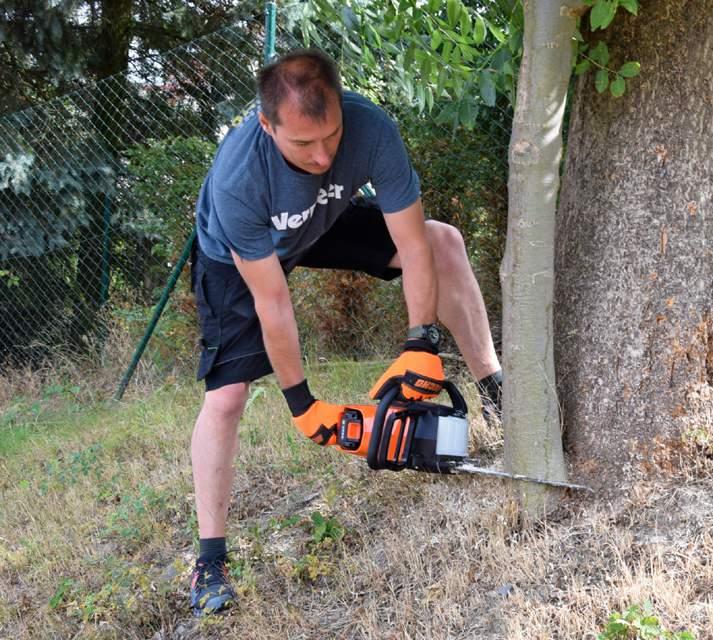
310,74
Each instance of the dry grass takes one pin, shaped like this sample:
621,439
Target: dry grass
97,536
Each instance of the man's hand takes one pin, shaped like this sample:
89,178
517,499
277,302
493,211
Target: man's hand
419,372
318,420
320,423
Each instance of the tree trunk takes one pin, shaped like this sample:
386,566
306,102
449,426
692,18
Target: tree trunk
108,115
634,267
533,443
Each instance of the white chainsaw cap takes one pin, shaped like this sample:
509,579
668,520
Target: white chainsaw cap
452,439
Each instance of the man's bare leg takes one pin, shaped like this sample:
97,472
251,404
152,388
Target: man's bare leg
213,449
460,302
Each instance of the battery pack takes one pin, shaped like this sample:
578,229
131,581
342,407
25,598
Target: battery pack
452,438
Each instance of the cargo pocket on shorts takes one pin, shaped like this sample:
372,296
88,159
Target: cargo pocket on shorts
209,317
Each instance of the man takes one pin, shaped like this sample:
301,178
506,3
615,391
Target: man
277,196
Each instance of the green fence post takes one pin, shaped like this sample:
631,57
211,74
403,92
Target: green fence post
270,30
173,279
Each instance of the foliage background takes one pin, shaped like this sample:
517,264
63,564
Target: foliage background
98,185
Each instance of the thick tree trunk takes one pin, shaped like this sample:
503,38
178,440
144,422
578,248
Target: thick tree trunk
634,290
533,444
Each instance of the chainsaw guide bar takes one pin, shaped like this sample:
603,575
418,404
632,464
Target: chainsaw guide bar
470,468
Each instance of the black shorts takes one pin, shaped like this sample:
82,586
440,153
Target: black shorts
233,350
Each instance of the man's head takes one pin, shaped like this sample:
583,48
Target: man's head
301,108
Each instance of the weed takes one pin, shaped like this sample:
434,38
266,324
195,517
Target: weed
65,472
133,519
310,567
639,623
63,591
325,529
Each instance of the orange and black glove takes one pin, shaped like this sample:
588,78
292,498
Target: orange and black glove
418,370
318,420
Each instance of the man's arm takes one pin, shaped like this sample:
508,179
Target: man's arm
408,231
418,370
268,286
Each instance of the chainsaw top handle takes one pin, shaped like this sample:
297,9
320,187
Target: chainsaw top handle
376,454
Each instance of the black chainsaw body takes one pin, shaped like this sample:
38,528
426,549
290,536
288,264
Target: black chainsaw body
418,435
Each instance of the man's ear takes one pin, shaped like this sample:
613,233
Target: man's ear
265,124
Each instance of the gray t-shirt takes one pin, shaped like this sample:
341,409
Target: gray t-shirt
255,203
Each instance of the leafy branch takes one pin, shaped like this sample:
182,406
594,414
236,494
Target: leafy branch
601,16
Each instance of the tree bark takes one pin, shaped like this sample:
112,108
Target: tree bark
108,114
634,268
533,443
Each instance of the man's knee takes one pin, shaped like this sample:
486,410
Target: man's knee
227,402
447,244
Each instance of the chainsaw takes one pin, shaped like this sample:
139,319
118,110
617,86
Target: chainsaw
424,436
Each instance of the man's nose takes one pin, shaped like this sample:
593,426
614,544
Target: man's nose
321,155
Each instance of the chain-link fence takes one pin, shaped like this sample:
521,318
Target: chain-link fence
97,188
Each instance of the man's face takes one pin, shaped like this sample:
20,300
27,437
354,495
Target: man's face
309,145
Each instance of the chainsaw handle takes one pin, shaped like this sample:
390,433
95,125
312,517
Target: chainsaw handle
456,397
391,393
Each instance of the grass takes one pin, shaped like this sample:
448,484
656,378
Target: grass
98,533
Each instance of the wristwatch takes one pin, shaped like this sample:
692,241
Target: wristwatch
428,332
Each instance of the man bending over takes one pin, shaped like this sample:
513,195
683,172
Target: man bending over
279,195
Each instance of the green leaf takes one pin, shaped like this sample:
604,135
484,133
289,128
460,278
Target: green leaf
436,40
429,99
632,6
515,43
618,87
442,80
409,57
447,114
369,59
447,50
421,98
601,80
453,11
479,31
602,14
465,23
501,58
582,67
467,52
630,69
496,31
467,113
600,53
426,69
487,88
375,35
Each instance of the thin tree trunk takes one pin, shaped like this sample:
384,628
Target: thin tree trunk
112,56
634,313
533,443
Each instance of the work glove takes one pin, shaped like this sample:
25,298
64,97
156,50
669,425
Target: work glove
317,419
418,370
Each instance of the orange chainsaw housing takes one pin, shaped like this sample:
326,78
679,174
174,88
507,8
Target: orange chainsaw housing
355,430
398,434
